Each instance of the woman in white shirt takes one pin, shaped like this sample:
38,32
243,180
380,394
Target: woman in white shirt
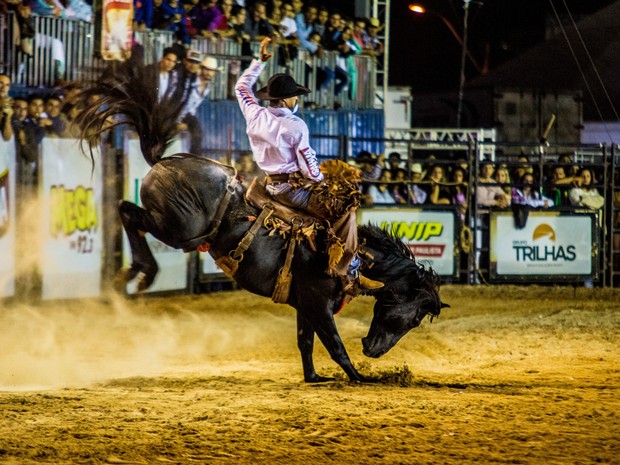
585,194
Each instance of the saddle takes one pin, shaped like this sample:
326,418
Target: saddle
296,225
292,223
258,197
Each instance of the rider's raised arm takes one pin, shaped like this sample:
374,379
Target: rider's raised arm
243,89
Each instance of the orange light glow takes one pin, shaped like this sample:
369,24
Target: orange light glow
418,9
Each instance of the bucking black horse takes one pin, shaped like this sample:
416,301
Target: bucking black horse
181,196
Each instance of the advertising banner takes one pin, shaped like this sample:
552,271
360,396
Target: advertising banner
429,234
116,29
71,193
172,262
550,244
7,217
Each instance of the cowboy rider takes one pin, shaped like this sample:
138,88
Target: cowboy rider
280,144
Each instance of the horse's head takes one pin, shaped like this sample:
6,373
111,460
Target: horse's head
401,306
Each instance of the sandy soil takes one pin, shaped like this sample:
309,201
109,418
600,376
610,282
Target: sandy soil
520,375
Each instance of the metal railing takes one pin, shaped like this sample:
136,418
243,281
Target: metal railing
64,50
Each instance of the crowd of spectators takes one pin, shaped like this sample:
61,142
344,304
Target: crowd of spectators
292,24
395,181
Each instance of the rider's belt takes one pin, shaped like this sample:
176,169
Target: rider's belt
279,178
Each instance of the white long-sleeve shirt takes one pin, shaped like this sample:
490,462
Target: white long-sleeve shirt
195,98
280,140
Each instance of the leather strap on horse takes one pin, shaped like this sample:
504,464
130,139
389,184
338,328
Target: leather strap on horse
203,243
229,263
285,277
221,209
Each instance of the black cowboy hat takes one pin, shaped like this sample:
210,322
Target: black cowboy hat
281,86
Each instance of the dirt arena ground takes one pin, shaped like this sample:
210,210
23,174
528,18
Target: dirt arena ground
519,375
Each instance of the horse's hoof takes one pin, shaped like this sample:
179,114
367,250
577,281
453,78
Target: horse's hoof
145,282
318,379
366,379
123,276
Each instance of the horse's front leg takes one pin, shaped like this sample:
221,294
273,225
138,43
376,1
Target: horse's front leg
325,328
305,343
137,222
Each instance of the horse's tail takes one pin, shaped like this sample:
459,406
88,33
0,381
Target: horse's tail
126,94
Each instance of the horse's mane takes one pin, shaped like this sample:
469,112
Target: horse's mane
399,260
383,241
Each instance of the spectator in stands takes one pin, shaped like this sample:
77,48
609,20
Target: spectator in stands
437,190
526,194
584,194
523,166
305,21
142,14
289,39
166,16
344,62
200,90
34,127
395,162
187,73
48,8
273,6
332,32
381,193
358,32
559,186
417,195
176,19
223,28
458,189
70,111
400,191
372,45
50,120
570,168
488,193
256,23
238,25
370,166
6,107
274,16
324,74
502,177
371,169
164,74
28,137
298,6
25,25
206,16
320,23
79,10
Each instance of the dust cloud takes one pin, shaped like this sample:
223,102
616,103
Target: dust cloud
76,343
71,343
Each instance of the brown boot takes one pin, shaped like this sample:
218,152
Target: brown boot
369,284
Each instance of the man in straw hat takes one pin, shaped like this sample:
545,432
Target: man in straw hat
281,146
199,91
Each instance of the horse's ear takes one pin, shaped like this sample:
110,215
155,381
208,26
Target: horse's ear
443,305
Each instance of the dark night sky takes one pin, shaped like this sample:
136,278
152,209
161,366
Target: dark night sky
426,56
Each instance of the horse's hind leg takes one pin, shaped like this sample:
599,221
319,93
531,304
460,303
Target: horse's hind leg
137,222
305,343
